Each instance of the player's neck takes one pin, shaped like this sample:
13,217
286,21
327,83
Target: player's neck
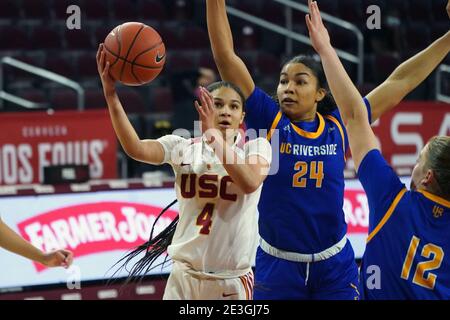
434,192
307,117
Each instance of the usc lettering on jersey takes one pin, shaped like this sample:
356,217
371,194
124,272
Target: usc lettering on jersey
217,234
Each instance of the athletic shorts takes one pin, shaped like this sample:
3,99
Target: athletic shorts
183,285
335,278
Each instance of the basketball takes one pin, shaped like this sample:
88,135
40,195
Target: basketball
135,52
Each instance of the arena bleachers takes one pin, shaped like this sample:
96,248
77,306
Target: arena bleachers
34,32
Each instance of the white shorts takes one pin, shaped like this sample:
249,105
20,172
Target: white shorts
184,286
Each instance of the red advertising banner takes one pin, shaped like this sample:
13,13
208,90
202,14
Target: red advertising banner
92,228
99,227
32,141
405,130
356,208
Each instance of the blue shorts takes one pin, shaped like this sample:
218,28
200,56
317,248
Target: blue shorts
335,278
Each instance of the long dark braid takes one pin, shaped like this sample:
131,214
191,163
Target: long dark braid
153,249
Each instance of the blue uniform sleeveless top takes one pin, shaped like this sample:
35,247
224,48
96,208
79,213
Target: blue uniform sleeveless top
408,249
300,208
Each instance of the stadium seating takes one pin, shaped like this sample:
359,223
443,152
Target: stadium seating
9,10
34,32
152,10
13,38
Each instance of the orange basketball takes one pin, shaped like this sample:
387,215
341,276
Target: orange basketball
135,52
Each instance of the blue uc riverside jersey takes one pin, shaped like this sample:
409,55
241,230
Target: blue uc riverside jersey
300,208
408,249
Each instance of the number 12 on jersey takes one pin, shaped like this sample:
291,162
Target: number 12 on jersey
428,250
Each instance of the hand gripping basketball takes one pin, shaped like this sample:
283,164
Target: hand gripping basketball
135,52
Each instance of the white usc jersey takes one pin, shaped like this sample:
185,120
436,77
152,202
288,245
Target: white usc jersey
217,233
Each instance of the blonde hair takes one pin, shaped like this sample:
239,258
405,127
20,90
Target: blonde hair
438,160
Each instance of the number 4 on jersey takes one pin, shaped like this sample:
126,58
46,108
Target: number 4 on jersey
204,219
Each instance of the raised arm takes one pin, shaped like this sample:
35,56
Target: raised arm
407,76
149,151
347,97
230,66
12,242
247,173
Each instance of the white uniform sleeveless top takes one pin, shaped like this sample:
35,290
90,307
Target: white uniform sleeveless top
217,234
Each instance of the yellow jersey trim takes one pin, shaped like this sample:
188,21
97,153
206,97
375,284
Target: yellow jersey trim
274,125
387,215
435,198
336,122
311,135
355,288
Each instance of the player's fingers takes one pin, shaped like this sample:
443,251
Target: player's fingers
203,102
104,68
308,22
317,13
197,106
101,61
208,94
104,74
314,13
68,257
99,64
107,68
316,8
209,98
68,261
100,49
55,259
102,55
104,59
199,109
206,102
97,56
61,257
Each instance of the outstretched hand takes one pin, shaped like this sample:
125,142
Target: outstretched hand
318,34
206,110
59,258
108,82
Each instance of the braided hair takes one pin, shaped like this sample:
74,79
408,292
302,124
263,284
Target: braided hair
153,249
